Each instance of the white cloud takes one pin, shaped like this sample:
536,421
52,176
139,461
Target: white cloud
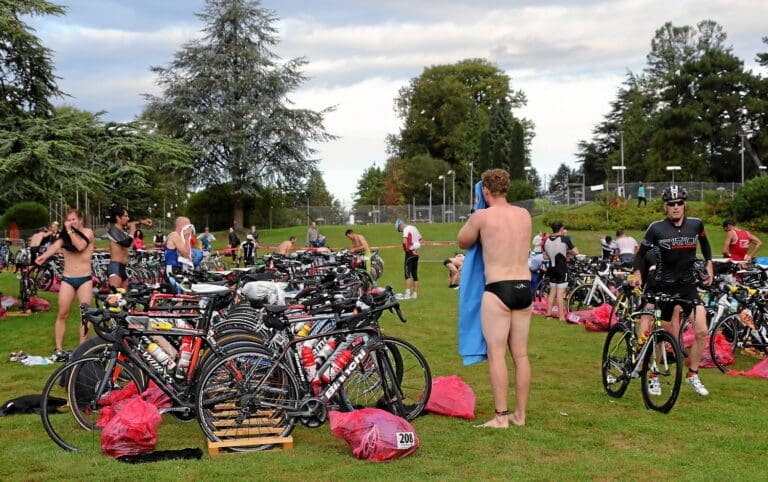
569,57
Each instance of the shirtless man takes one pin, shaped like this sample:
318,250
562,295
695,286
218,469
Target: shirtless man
505,232
120,243
285,247
177,245
360,245
77,243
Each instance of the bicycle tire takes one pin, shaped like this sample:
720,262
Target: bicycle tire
394,377
664,359
616,361
221,393
578,297
68,387
734,332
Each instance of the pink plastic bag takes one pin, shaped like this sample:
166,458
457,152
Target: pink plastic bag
37,304
451,396
579,317
375,434
723,350
132,431
759,370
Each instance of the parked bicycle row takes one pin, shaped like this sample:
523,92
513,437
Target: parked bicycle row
243,366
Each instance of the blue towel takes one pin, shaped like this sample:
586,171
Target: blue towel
472,285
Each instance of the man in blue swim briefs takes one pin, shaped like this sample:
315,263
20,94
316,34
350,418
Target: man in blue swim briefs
504,231
76,242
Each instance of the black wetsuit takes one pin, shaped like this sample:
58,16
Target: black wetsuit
676,247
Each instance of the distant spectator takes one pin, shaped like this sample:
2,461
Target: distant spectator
454,265
626,246
737,241
608,247
138,240
285,247
641,195
249,250
158,241
234,244
206,239
538,241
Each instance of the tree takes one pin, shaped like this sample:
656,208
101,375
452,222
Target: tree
370,186
421,170
226,95
27,81
561,178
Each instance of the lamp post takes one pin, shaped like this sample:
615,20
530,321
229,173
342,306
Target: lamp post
619,186
442,178
429,185
471,186
762,170
742,157
452,173
621,133
673,169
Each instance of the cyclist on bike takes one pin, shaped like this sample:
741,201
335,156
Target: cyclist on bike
676,237
120,237
77,243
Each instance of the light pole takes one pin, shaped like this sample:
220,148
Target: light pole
742,158
619,187
452,173
471,187
622,161
443,179
762,170
429,185
673,169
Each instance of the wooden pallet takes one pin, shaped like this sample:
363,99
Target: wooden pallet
214,448
260,429
18,313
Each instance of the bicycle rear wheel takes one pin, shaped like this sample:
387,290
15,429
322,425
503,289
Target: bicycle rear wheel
617,361
577,299
232,406
663,361
726,342
74,399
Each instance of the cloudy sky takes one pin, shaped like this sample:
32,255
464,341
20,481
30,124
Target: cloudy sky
568,56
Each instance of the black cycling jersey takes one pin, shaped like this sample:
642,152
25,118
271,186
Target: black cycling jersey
676,250
556,248
117,235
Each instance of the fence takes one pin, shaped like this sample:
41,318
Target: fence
576,193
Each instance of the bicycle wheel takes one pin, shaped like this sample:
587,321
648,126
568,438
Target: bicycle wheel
232,406
617,361
726,340
395,376
74,398
663,361
577,299
44,278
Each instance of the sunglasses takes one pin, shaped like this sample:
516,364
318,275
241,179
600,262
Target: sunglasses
675,203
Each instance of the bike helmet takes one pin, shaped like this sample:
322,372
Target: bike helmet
674,193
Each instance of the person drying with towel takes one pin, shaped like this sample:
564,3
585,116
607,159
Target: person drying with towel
504,231
120,236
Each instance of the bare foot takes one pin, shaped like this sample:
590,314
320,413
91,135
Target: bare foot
499,421
516,419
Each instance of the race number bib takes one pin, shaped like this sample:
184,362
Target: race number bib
405,440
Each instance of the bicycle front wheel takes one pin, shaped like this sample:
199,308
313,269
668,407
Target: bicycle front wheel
76,396
662,371
242,395
727,339
617,361
394,377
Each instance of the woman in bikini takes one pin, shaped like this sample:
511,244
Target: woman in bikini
76,242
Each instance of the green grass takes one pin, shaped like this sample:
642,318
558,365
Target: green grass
574,430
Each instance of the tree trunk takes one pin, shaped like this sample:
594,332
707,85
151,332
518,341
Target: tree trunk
237,215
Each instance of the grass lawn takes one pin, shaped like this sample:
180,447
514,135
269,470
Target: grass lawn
574,430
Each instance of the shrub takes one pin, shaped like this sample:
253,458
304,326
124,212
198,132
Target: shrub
751,201
26,215
520,190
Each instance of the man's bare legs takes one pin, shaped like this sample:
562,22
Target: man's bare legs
700,326
66,296
503,329
556,295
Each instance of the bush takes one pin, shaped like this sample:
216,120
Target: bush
520,190
751,201
26,215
